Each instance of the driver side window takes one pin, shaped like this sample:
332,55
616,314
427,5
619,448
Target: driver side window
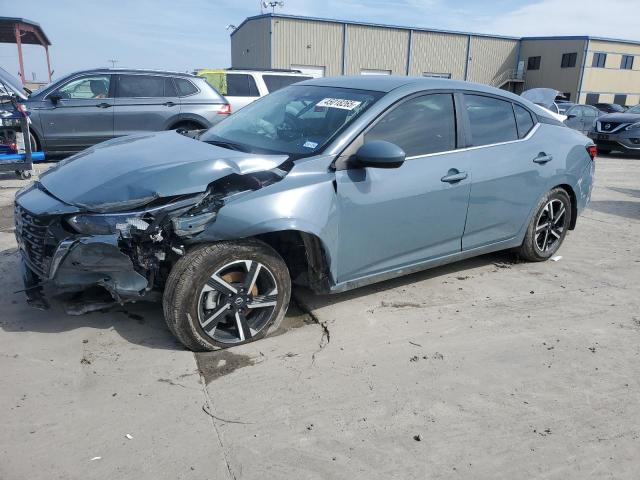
86,88
419,126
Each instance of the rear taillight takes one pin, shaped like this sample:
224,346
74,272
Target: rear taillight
593,151
225,110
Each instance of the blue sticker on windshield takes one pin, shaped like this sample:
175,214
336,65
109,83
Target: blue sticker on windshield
308,144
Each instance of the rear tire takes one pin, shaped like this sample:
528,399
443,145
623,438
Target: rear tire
225,294
184,127
548,226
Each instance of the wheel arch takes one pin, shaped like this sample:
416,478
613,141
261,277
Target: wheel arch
305,256
173,122
574,203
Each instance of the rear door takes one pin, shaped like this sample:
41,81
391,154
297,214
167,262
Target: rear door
241,90
82,117
144,103
506,158
392,218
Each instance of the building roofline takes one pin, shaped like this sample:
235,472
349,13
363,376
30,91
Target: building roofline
369,24
584,37
26,22
435,30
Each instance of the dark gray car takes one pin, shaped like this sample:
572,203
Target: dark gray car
88,107
582,117
618,131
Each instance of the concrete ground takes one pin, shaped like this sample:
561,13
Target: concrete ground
485,369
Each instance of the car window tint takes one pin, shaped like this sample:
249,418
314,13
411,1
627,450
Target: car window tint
185,87
589,112
419,126
241,85
169,88
491,120
95,86
140,86
276,82
524,120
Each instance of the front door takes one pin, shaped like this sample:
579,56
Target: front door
392,218
82,116
144,103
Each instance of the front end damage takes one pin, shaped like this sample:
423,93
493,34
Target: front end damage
67,249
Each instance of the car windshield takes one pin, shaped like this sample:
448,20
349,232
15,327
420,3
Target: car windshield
298,120
635,109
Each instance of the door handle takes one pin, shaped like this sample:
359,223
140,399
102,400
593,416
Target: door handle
454,176
103,105
169,104
542,158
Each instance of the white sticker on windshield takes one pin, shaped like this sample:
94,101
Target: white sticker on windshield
342,103
310,144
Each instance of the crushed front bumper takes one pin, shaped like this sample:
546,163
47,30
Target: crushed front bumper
56,260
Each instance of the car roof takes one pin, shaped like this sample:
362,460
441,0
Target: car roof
387,83
133,70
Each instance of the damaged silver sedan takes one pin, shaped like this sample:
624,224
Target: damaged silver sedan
329,183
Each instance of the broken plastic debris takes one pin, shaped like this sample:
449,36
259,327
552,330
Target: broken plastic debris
556,258
96,458
129,436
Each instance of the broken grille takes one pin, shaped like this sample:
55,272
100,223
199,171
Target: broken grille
31,234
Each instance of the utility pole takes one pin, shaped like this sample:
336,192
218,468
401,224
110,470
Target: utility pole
113,62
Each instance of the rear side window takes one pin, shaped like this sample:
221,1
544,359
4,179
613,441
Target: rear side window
524,120
185,87
241,85
419,126
491,120
276,82
141,86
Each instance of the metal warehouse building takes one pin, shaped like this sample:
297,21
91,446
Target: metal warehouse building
585,68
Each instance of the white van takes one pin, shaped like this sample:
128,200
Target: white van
241,87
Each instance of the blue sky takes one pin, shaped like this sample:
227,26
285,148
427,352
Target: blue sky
187,34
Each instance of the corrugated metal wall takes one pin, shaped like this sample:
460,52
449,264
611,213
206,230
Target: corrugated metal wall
490,57
251,45
375,48
438,53
551,74
302,42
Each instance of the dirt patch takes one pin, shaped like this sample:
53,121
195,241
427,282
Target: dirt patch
214,365
6,218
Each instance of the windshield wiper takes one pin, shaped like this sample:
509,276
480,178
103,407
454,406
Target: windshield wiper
228,145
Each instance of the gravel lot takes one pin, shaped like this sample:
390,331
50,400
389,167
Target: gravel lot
485,369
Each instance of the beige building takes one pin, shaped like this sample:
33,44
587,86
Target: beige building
331,47
588,69
585,69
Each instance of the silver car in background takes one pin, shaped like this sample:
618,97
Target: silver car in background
92,106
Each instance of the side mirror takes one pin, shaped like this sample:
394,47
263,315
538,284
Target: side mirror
380,154
55,98
571,116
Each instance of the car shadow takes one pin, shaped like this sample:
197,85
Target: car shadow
502,259
140,323
620,208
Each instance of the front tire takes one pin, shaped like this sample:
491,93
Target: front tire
548,227
225,294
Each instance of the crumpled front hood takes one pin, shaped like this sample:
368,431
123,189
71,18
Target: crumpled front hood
129,172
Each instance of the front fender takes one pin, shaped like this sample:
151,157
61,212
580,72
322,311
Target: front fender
302,201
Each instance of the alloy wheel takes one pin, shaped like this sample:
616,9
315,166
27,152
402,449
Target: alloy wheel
237,301
550,225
